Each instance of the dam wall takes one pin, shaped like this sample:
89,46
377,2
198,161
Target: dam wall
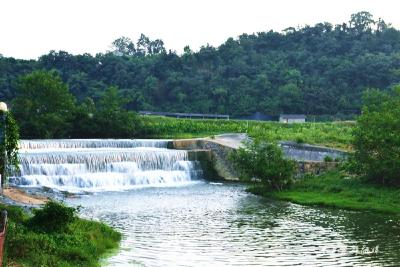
217,156
310,159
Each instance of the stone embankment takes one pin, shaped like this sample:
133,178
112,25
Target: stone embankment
213,155
215,151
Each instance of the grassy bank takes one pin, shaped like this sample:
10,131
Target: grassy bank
336,134
82,243
334,190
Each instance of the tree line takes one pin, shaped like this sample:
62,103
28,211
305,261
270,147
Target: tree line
45,108
320,70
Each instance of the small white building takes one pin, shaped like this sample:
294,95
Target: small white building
292,118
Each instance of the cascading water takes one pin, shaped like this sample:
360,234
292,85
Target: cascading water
102,164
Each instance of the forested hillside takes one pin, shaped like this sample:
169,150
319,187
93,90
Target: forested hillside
320,69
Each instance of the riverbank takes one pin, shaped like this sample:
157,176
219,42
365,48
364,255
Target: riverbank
333,189
83,243
19,196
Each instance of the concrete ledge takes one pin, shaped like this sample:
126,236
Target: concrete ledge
200,155
207,149
305,152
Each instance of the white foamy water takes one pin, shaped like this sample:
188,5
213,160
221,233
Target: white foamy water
102,164
92,143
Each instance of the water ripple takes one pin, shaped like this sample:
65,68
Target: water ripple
214,225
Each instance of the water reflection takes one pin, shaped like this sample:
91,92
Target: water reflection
214,225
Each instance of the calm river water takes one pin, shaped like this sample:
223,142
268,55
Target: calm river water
208,224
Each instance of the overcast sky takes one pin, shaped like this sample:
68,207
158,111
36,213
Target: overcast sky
30,28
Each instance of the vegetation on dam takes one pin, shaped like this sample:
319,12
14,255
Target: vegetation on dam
55,236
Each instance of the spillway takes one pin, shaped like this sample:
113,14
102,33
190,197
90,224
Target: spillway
102,164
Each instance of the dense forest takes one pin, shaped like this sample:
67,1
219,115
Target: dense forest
321,70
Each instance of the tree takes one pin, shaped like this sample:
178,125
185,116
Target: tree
123,46
264,162
143,45
84,124
43,106
362,21
377,139
112,119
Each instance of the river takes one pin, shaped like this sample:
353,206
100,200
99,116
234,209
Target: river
170,216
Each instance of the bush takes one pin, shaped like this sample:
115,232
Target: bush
83,244
328,159
264,162
377,139
53,217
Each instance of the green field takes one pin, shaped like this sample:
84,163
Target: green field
334,189
332,134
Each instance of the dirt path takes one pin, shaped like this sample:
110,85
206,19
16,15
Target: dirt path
22,197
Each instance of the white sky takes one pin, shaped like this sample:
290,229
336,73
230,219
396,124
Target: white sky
30,28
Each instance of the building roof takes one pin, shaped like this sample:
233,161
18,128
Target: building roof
292,116
258,116
174,114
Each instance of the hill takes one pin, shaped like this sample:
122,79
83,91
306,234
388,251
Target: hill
320,70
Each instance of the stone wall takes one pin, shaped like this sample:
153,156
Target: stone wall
314,167
218,156
213,157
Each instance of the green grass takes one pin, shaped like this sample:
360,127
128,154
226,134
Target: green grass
84,243
333,134
332,189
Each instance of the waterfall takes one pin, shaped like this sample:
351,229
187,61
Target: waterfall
91,143
102,164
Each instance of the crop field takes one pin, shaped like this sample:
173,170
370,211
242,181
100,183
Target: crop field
331,134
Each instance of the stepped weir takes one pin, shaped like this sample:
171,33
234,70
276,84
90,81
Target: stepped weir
103,164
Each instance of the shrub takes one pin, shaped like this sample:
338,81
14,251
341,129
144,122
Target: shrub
53,217
83,244
328,159
377,139
264,162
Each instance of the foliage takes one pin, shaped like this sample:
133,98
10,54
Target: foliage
112,119
12,139
46,109
264,162
335,189
43,105
321,69
377,139
53,217
10,146
82,244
